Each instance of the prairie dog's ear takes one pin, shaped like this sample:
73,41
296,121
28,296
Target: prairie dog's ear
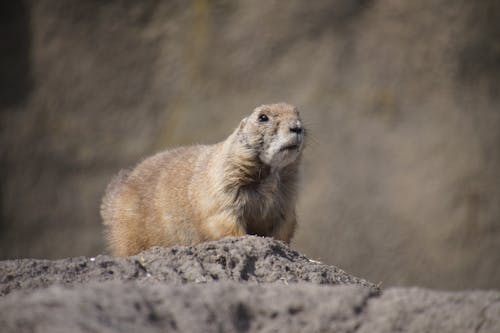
242,123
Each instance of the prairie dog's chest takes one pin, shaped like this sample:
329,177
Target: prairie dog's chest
263,211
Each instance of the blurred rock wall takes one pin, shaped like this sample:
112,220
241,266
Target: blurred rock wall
401,177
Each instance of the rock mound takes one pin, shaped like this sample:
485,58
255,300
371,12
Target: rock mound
249,258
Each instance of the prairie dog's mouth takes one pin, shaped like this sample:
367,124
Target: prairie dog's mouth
293,146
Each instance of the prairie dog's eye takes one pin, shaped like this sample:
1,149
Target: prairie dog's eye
263,118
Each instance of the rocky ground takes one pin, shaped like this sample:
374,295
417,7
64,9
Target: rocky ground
244,284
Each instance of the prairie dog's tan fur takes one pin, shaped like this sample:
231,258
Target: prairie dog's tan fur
243,185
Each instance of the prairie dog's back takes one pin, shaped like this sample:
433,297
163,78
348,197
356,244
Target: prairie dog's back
136,200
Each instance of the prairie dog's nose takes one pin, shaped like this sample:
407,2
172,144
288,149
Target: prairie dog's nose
296,127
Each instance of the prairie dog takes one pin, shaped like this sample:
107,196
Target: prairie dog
245,184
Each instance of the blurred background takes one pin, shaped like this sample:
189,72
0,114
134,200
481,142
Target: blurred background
401,177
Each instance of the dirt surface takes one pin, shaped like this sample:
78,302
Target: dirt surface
250,258
247,284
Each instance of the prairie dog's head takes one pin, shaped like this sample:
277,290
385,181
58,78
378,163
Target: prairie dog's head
276,132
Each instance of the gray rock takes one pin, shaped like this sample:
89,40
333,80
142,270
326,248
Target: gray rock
246,307
422,310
